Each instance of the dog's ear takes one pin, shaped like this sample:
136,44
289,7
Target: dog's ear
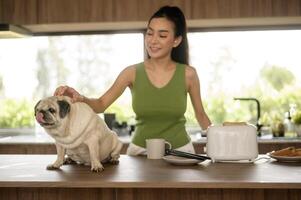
64,108
35,108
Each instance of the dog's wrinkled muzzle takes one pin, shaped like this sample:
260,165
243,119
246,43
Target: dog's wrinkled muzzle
40,118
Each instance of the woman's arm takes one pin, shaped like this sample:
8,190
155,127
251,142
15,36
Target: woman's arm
193,87
99,105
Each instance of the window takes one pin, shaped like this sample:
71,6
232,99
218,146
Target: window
31,68
258,64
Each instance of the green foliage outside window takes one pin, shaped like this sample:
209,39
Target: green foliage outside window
123,113
297,118
16,114
20,113
275,99
276,87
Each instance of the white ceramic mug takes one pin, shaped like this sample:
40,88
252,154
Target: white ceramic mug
156,148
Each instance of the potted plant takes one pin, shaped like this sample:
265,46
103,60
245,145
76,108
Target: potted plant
277,125
297,121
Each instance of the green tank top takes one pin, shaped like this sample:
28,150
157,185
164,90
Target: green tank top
160,111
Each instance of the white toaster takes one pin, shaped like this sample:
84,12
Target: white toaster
232,142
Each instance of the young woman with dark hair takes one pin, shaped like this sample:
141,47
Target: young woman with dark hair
175,15
159,85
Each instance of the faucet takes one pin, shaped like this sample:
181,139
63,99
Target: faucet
258,110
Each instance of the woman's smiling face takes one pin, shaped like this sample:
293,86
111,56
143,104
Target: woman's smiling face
160,38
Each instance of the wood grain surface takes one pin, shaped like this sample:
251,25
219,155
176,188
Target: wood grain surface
139,172
24,177
71,11
49,148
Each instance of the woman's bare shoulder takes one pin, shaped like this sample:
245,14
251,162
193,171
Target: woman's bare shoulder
131,68
190,72
129,73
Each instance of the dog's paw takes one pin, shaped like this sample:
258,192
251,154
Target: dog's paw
96,166
97,169
68,161
114,161
52,167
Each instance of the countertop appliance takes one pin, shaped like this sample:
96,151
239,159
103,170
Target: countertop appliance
232,141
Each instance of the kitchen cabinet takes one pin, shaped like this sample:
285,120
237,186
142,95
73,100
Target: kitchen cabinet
71,11
264,146
27,12
18,11
34,145
25,177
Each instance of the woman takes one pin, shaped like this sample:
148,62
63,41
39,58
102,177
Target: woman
159,85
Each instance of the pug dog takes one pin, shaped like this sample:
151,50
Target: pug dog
78,132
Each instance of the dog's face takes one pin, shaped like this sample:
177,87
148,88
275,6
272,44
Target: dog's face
50,112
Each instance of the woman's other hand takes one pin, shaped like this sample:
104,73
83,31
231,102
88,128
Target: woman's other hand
70,92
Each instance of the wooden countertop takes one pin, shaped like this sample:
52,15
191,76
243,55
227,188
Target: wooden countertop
45,139
138,172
